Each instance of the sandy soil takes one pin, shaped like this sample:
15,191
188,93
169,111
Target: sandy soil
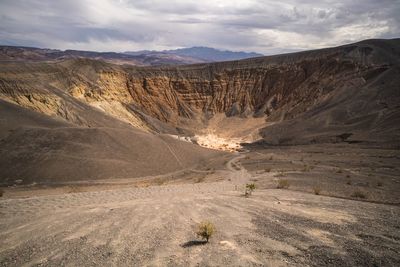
228,133
154,226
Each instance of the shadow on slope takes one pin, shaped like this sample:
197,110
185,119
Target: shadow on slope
36,148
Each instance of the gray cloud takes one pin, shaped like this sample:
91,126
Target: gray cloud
251,25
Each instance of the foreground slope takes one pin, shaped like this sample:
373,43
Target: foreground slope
154,226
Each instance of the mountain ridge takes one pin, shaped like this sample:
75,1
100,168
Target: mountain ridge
203,53
140,58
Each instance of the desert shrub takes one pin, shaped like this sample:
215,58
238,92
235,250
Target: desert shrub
267,170
348,176
317,190
359,194
1,192
74,189
283,183
205,230
249,189
348,182
380,183
306,168
339,171
280,174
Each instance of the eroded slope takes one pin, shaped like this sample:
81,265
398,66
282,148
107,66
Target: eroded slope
324,92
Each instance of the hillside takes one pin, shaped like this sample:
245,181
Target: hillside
39,149
338,85
343,94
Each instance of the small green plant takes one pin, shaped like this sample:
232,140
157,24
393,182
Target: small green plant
317,190
283,184
358,194
205,230
249,189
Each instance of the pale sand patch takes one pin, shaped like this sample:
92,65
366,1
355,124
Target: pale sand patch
322,236
215,142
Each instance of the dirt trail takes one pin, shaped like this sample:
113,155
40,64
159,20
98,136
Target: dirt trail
154,226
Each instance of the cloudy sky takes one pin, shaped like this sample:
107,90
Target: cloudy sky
263,26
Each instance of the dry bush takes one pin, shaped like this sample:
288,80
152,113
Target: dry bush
317,190
200,179
158,181
306,168
267,170
358,194
249,189
74,189
205,230
283,183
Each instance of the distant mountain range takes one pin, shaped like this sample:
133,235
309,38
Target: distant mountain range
139,58
202,54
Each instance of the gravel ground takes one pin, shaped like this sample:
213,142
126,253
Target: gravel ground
154,226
